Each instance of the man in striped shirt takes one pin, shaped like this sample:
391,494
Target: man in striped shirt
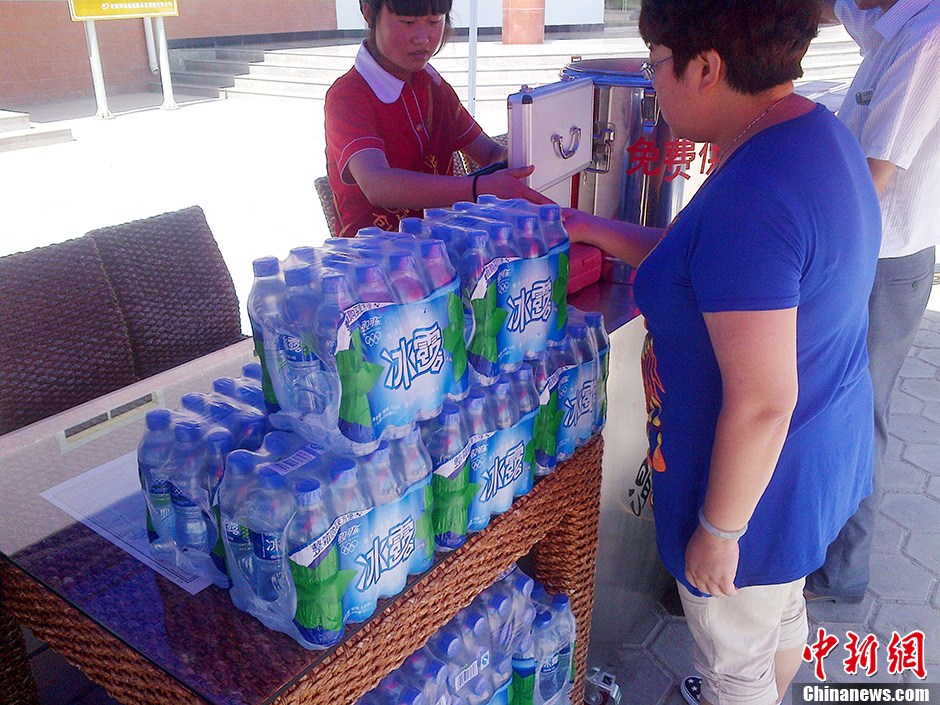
893,107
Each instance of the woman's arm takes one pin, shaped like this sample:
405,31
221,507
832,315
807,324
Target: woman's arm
400,188
623,240
756,352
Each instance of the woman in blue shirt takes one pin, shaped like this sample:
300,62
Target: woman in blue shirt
755,364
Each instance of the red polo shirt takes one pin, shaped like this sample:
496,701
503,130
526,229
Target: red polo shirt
418,126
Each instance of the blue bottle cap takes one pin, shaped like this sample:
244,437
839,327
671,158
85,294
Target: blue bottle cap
550,212
253,370
433,668
308,492
343,469
158,419
371,232
225,386
594,318
412,226
543,618
448,644
561,600
221,440
301,275
240,462
523,584
277,444
194,402
270,479
577,330
304,253
188,431
476,623
479,240
266,266
500,604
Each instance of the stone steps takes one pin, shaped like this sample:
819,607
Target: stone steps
307,72
16,132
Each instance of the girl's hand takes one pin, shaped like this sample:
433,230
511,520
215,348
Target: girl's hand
577,223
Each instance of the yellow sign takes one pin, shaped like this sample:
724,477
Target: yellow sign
121,9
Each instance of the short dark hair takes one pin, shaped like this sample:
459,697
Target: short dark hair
410,8
761,42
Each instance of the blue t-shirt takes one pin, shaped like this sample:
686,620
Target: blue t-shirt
791,220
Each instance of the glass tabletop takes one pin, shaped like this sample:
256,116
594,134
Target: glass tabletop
220,653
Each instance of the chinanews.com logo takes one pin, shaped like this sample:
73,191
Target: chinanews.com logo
899,656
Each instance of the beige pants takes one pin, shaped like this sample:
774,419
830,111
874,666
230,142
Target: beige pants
736,639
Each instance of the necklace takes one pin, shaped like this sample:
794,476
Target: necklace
753,122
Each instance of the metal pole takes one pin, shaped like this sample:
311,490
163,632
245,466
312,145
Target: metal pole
97,75
151,49
168,102
472,77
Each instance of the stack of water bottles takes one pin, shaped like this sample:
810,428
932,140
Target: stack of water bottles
313,537
181,461
571,380
513,644
360,338
512,258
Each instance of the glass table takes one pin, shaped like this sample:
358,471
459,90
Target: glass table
146,640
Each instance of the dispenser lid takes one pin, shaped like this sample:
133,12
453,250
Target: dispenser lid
621,71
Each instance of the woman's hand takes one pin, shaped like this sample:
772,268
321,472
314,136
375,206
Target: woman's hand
577,223
711,563
507,183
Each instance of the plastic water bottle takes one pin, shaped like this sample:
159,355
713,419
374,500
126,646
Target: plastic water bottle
597,330
551,676
586,399
371,286
567,362
503,406
496,607
479,427
314,568
475,637
268,512
189,464
237,483
524,674
447,446
264,302
524,390
430,674
412,465
407,282
302,367
567,630
503,241
474,260
413,226
436,264
153,458
351,509
219,443
253,370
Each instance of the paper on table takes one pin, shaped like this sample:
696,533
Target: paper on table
109,501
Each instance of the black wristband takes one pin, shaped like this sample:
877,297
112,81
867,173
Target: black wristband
474,189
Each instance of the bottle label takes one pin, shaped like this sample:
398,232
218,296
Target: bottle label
501,462
296,350
267,546
396,363
569,406
518,305
235,533
179,499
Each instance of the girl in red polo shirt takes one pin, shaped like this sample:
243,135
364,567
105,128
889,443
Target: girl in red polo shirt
393,125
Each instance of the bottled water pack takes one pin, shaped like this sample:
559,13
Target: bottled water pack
506,647
482,454
359,338
181,461
314,538
512,259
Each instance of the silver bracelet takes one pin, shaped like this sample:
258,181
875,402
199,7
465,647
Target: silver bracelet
727,535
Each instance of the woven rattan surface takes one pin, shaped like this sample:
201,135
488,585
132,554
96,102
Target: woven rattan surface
325,193
16,682
62,337
173,286
559,516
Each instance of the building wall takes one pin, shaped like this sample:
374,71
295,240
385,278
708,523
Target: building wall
490,13
44,57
